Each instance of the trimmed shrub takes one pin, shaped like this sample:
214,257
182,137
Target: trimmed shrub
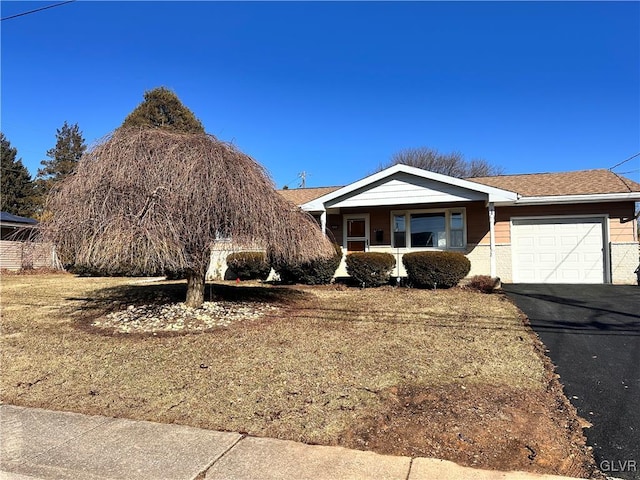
249,265
435,269
315,272
370,269
483,283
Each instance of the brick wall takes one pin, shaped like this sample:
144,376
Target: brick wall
624,261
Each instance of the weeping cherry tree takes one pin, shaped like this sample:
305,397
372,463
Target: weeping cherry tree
151,200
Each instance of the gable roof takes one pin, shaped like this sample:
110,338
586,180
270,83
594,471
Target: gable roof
581,182
399,174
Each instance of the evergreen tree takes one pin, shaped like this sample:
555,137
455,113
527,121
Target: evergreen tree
18,190
63,157
162,108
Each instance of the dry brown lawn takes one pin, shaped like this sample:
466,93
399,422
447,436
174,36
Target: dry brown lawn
449,373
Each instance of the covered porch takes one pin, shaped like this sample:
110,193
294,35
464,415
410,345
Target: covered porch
403,209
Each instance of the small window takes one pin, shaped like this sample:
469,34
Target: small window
456,230
399,231
356,227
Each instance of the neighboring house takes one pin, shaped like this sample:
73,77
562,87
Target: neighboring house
12,226
569,227
17,250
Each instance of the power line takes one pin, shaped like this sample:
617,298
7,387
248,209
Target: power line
625,161
36,10
290,182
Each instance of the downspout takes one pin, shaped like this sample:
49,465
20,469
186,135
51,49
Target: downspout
492,240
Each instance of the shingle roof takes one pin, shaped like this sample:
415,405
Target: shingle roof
582,182
300,196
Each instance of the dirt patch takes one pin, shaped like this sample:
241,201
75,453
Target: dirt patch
479,426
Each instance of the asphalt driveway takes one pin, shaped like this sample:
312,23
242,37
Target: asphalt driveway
592,333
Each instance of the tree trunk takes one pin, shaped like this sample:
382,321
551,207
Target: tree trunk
195,289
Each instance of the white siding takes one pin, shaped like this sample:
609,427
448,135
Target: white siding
17,255
405,189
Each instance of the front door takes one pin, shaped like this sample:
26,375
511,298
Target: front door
357,233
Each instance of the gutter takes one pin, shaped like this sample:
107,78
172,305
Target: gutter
594,198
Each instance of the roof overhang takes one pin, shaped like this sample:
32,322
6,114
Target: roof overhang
10,220
472,190
593,198
17,225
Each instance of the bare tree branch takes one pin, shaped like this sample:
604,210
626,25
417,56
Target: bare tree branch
453,164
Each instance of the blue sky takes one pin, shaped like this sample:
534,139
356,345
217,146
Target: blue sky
335,88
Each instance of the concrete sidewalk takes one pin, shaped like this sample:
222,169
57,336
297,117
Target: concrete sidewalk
41,444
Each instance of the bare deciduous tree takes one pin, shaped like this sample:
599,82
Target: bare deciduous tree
151,200
453,164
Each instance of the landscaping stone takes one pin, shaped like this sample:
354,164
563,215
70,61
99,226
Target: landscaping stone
177,317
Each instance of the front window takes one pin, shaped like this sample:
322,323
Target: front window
440,229
428,230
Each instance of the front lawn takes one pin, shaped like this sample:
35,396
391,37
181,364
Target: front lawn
450,374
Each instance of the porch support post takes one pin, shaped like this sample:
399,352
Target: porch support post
323,222
492,239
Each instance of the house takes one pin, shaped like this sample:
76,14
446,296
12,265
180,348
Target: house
569,227
17,248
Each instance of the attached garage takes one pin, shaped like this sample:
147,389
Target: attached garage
559,250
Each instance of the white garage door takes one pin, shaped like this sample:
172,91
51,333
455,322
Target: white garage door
565,250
